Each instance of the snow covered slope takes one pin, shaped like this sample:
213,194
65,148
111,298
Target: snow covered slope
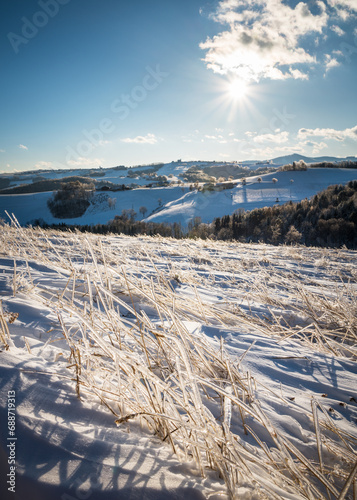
179,204
139,365
294,186
30,207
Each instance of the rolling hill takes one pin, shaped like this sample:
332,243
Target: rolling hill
181,203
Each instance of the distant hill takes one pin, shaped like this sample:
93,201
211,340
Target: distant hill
283,160
46,185
331,158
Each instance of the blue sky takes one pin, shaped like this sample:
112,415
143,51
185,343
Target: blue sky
87,82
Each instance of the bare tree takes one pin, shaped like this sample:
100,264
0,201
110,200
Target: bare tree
128,214
112,202
143,211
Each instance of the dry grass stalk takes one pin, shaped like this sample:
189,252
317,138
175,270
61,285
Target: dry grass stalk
124,324
4,330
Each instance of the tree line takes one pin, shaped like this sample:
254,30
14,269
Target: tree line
328,219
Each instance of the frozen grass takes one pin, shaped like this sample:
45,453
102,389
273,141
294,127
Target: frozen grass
125,309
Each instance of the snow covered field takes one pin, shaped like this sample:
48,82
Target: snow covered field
294,186
179,204
150,368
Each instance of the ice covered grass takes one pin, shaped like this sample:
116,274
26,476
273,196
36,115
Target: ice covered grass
242,358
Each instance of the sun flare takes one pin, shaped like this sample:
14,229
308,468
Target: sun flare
237,89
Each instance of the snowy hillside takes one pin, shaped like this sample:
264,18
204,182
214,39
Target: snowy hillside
294,186
154,369
139,175
180,204
154,173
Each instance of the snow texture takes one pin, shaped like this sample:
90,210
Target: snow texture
254,347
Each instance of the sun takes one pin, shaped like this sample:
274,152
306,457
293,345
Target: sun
237,89
236,96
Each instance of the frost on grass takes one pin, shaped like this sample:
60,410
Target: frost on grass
241,358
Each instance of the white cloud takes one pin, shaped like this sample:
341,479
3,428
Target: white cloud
329,133
147,139
298,75
316,146
219,138
331,62
263,40
339,31
306,141
277,138
21,146
2,150
344,14
350,5
302,147
85,162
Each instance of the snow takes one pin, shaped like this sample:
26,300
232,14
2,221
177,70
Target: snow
282,318
30,207
66,447
254,194
178,204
